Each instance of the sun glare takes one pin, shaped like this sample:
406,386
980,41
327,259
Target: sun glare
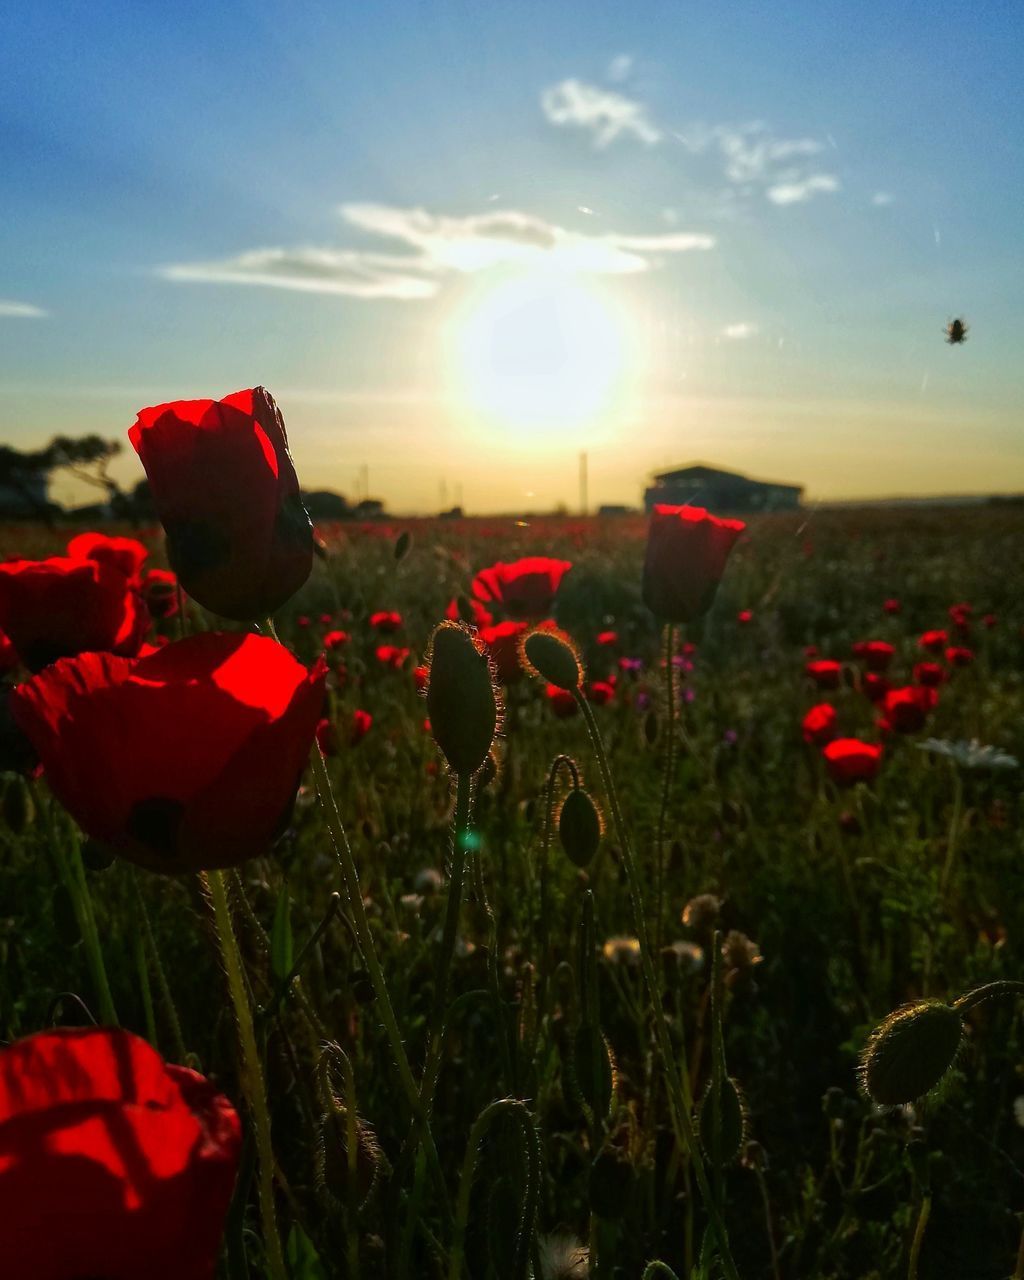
539,353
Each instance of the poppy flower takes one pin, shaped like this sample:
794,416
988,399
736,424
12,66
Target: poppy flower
819,724
849,760
989,620
874,686
929,674
891,606
184,760
608,637
877,655
744,617
600,692
56,608
502,641
958,656
934,641
361,722
906,710
393,656
687,549
123,553
524,589
336,639
113,1162
421,675
561,701
160,592
478,615
326,737
303,621
8,655
386,621
961,614
824,672
223,484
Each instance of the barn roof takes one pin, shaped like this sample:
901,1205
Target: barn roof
701,471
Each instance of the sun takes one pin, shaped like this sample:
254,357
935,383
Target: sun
534,354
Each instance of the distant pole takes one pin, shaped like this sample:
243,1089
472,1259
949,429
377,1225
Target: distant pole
444,493
458,493
583,484
366,479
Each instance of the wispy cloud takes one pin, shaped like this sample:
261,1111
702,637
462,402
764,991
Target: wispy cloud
605,113
802,189
880,199
620,67
742,329
20,310
438,246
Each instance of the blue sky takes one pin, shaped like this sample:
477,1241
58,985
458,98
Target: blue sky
757,222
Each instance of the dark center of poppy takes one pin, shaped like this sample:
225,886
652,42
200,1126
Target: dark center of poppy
195,547
154,822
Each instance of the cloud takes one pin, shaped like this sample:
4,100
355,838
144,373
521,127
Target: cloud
620,67
798,191
607,114
743,329
20,310
438,246
880,199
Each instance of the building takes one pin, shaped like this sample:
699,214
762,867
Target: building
702,486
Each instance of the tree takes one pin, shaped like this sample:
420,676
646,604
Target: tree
87,459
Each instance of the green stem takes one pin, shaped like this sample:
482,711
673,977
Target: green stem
658,1268
954,831
251,1072
680,1100
180,1052
666,786
915,1248
990,991
139,947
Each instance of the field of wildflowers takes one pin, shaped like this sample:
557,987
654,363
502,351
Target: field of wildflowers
509,899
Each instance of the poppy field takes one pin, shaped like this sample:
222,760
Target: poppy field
504,899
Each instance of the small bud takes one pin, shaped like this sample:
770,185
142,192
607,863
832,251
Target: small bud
733,1121
552,656
332,1157
460,698
402,545
579,827
910,1052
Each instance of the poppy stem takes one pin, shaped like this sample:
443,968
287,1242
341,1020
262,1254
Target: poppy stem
666,786
251,1072
678,1084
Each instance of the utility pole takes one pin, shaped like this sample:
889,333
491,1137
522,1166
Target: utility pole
583,484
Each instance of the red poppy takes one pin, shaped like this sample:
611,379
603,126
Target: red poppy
874,686
961,615
601,692
958,656
819,725
123,553
326,737
8,655
877,655
929,674
113,1163
850,760
891,606
524,589
687,549
160,592
386,621
744,616
906,710
502,641
824,672
336,639
989,621
183,760
391,655
561,701
55,608
935,641
421,675
478,615
223,484
303,621
608,637
326,619
361,722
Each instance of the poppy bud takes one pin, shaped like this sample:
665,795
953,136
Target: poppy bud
552,657
910,1052
687,549
460,698
732,1121
579,827
333,1172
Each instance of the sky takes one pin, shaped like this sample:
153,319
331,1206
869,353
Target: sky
461,243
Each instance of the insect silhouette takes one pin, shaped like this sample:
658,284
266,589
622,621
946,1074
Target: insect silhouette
956,332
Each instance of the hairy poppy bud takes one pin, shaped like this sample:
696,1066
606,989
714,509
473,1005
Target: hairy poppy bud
579,827
333,1172
686,553
732,1121
910,1052
461,703
224,487
552,656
